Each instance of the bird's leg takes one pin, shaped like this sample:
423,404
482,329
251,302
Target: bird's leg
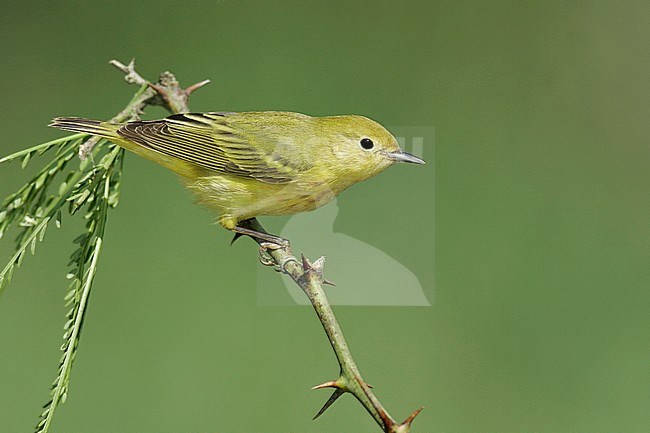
266,241
253,228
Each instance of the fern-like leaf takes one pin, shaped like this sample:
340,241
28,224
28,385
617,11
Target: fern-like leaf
39,149
97,190
33,206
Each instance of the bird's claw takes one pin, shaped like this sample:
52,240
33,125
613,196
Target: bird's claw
267,260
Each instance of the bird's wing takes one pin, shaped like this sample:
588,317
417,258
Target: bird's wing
208,140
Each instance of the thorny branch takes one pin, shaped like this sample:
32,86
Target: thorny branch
308,276
167,93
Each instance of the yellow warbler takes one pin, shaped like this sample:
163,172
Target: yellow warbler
257,163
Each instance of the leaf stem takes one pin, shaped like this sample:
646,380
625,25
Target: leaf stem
60,386
40,147
6,272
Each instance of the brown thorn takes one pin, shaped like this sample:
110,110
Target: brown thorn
337,393
159,89
193,87
328,282
306,266
409,420
161,93
330,384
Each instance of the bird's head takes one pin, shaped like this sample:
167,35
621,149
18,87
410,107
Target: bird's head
359,147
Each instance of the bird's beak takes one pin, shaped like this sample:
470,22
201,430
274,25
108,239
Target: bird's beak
401,156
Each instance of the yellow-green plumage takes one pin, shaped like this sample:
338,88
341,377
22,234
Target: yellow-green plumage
257,163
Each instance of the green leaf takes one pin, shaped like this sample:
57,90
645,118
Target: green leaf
25,160
40,148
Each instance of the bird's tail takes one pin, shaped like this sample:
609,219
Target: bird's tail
79,124
110,130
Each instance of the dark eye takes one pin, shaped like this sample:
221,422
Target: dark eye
366,143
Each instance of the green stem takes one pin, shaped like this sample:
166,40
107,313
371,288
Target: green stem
309,277
68,356
41,147
350,377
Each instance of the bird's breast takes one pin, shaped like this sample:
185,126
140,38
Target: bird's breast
236,198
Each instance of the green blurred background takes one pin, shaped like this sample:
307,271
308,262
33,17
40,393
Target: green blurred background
535,251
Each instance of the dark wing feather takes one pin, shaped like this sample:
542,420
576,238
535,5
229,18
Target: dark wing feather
209,141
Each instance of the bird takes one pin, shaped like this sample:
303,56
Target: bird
246,164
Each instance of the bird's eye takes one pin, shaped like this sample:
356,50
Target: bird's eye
366,144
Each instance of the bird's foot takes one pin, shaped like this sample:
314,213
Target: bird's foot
267,260
268,242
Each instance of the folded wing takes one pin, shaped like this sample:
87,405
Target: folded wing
209,141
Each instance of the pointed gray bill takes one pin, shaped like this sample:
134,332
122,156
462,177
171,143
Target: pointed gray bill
401,156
